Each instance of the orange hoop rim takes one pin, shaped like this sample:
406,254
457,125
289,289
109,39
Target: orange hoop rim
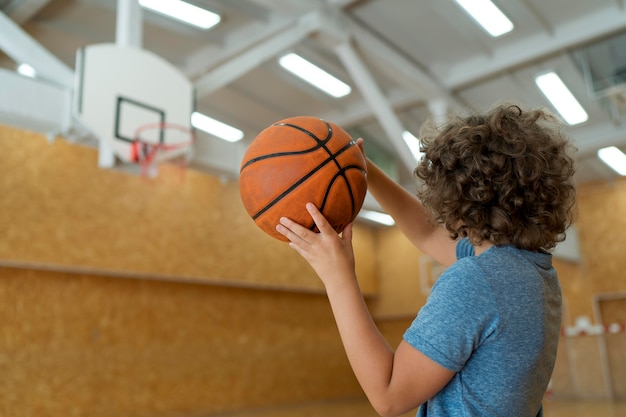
144,152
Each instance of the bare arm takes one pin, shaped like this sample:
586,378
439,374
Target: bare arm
394,382
410,216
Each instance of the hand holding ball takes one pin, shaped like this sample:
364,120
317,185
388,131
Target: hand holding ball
299,160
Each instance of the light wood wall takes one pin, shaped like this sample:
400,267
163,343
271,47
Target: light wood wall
59,210
591,365
126,296
80,344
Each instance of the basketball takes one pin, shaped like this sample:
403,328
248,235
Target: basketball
299,160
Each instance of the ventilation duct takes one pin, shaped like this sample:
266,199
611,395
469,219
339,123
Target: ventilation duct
603,65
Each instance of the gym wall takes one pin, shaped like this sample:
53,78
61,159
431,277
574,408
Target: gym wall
126,296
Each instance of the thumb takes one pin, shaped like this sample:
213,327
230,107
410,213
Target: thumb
346,233
359,143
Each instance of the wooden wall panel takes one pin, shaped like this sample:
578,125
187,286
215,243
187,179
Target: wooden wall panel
76,344
59,209
365,246
587,371
562,382
393,329
576,289
76,339
601,224
85,343
616,361
614,311
398,270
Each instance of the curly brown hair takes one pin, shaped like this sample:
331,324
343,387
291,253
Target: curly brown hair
505,176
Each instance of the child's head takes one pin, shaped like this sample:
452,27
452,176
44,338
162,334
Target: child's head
504,176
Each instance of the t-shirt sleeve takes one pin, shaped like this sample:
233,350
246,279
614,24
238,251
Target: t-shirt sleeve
458,315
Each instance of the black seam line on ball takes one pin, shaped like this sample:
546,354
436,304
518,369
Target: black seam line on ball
319,144
342,173
300,181
328,151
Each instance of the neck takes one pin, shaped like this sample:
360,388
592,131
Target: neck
478,249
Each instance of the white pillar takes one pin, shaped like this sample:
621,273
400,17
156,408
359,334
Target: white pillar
23,48
129,29
376,100
253,57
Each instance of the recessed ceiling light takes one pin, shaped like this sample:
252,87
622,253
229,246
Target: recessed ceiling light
215,127
561,98
488,16
377,217
26,70
614,158
314,75
184,12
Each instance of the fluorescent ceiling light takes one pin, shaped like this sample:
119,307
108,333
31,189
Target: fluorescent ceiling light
614,158
185,12
561,98
377,217
314,75
488,16
414,145
215,127
26,70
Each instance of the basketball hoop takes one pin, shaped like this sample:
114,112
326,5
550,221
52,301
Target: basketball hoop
149,150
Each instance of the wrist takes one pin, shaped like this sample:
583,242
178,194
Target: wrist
341,283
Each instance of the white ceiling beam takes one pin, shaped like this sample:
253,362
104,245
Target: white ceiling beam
376,100
288,7
362,112
247,60
341,3
400,68
588,139
22,11
238,41
538,16
33,104
396,64
601,23
339,29
243,7
22,48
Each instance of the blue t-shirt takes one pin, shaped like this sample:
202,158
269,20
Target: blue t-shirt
494,319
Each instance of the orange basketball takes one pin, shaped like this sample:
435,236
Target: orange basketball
299,160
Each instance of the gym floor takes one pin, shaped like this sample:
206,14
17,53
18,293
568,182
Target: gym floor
554,408
361,408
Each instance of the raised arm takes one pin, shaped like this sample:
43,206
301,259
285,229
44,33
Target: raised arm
394,381
410,216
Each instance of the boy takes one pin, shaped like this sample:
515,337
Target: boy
496,194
